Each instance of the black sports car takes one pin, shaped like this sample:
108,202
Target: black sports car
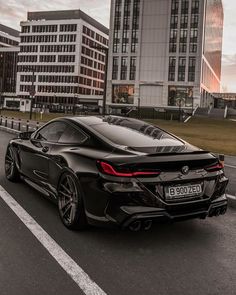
117,171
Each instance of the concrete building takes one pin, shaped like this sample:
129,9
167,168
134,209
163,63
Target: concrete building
8,37
58,62
221,100
9,40
164,52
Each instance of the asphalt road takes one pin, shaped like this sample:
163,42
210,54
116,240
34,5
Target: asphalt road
194,257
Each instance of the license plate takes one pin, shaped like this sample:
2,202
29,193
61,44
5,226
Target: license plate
182,191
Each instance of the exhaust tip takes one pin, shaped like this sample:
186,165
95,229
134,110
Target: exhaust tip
135,226
147,224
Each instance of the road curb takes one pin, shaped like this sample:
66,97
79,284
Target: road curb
9,130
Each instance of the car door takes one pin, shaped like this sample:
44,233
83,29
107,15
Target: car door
72,138
35,156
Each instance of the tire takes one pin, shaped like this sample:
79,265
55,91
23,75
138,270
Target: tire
11,170
70,202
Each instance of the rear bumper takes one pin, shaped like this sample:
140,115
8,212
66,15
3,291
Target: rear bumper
126,215
111,202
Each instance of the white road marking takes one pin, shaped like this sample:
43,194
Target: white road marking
79,276
230,166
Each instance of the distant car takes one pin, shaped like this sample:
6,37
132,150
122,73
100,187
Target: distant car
117,171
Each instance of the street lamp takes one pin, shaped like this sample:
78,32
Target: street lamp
192,104
32,93
180,102
2,79
76,96
139,107
106,51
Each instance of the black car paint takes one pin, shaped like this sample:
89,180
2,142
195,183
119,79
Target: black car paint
105,202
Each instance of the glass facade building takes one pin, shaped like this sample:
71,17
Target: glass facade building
165,50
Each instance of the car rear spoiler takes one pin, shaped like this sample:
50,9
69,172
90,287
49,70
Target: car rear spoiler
178,153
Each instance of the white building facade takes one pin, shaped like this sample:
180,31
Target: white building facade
58,63
163,51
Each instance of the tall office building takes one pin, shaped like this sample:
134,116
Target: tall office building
163,51
9,40
59,53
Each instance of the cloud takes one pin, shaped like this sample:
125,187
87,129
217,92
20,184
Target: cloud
14,11
229,60
229,72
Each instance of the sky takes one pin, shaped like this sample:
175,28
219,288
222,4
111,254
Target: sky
13,11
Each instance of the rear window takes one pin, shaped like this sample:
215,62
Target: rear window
135,134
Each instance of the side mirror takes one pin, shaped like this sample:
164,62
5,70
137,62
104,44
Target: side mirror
36,142
25,135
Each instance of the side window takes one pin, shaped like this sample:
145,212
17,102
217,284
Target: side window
52,132
73,136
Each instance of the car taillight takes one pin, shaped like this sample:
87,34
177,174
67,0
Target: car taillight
108,169
214,168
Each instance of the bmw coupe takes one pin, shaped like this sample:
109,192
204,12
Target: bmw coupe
115,171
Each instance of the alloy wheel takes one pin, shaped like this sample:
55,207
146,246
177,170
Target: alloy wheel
9,162
68,199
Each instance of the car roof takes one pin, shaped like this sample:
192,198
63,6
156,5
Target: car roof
94,120
88,120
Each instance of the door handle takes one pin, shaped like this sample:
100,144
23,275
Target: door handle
45,149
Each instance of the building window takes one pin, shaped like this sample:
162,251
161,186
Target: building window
25,29
135,26
183,47
123,94
172,48
134,41
195,6
136,14
115,68
184,6
174,22
172,65
44,29
194,20
125,45
126,19
191,69
181,69
175,7
183,36
68,28
184,21
183,40
117,27
173,36
184,93
126,26
193,35
193,47
124,68
173,40
132,68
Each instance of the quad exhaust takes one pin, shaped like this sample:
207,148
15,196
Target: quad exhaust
218,211
138,225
